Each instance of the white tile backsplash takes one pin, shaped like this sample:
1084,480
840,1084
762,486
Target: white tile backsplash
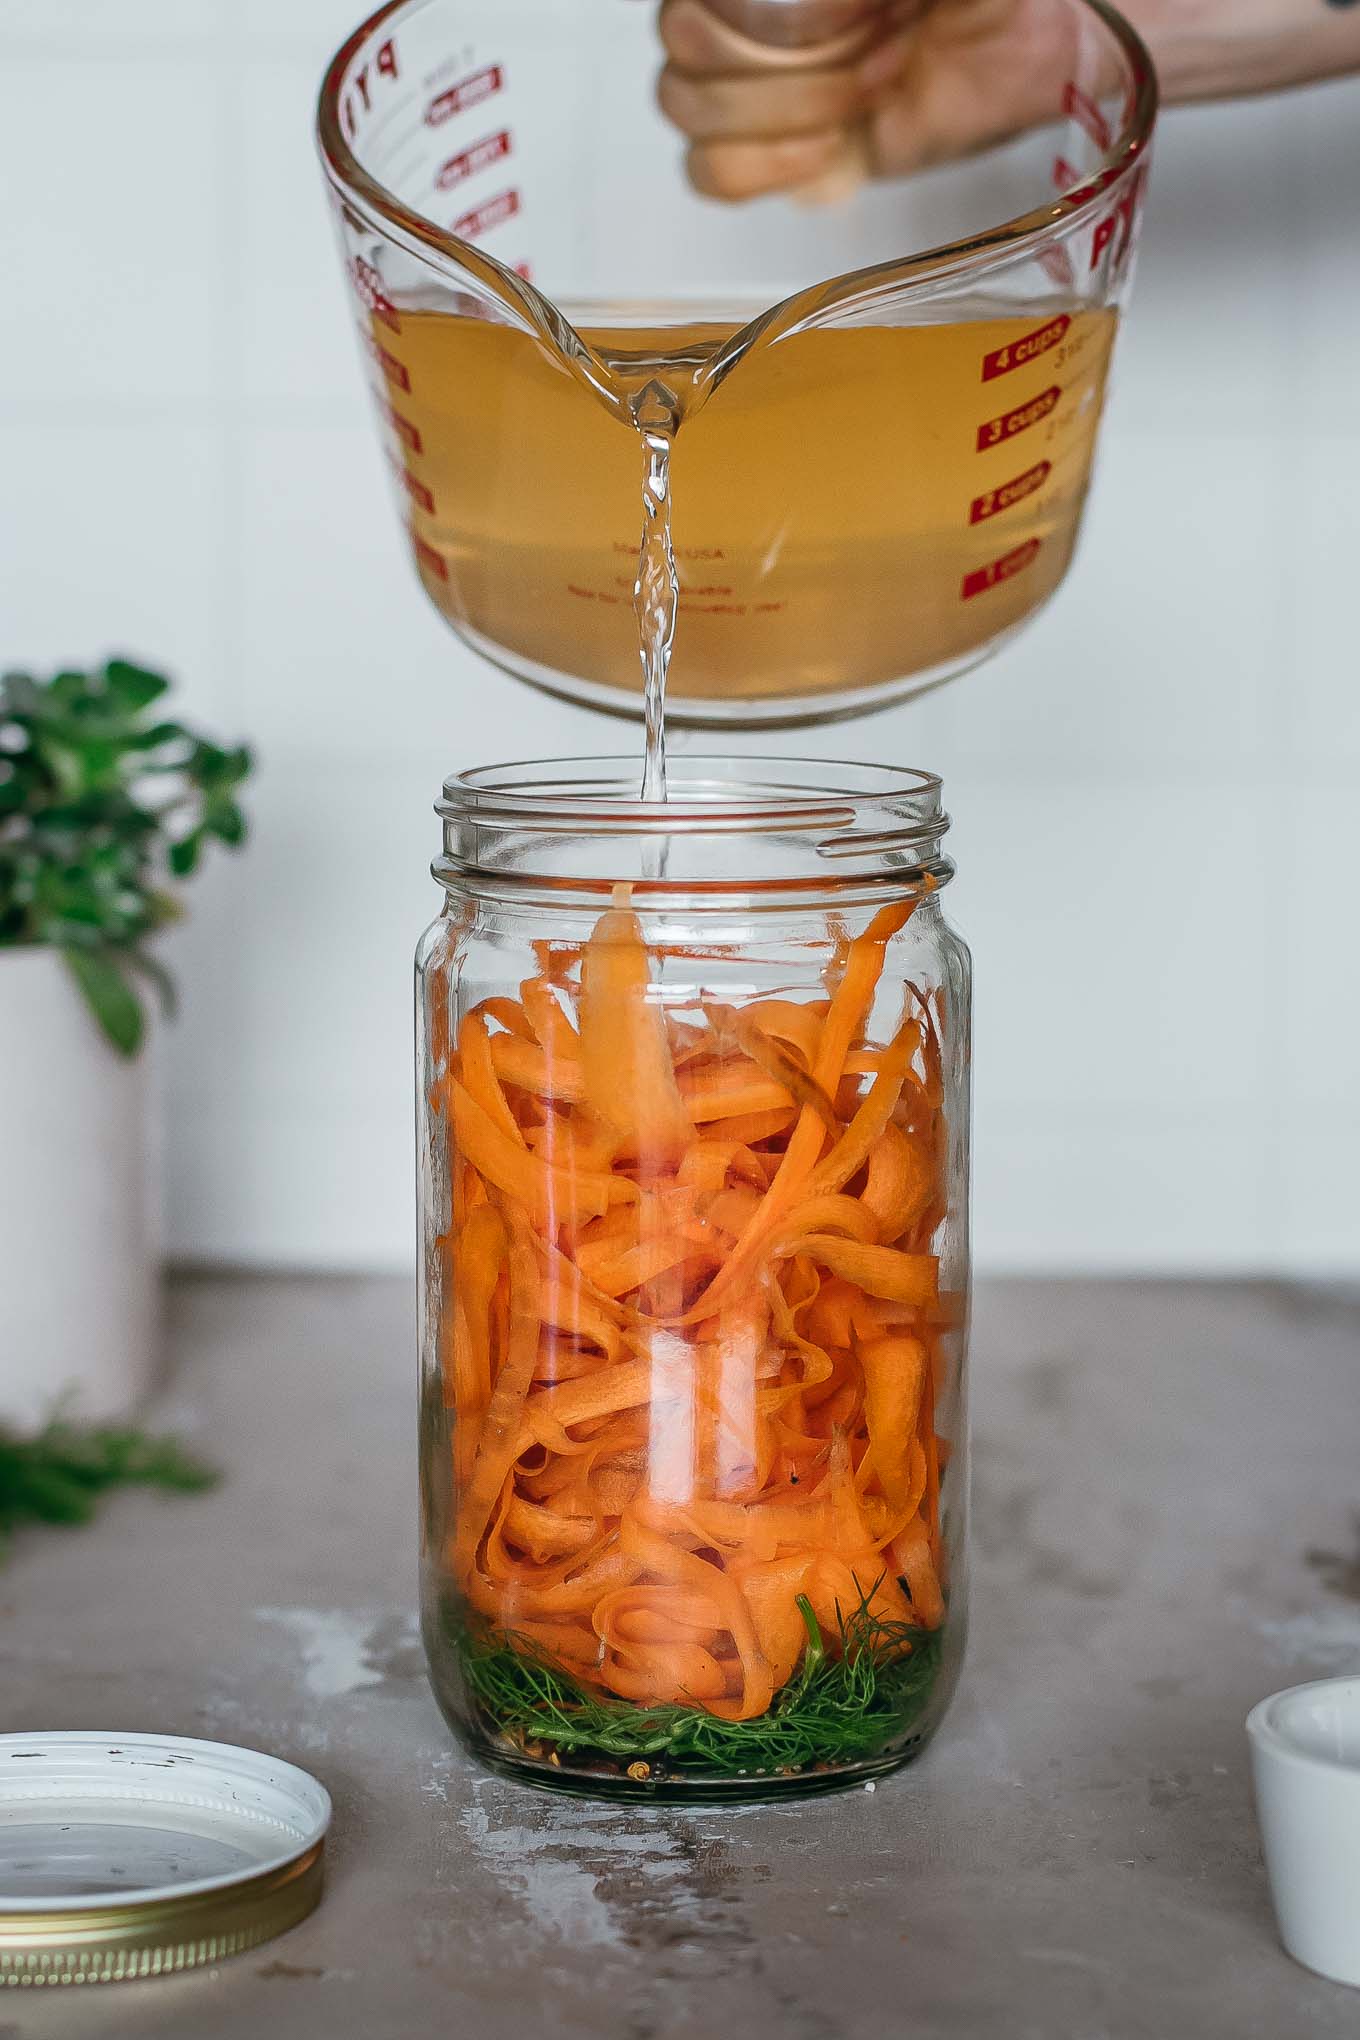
116,289
118,536
1315,1196
236,1199
1213,324
1123,1191
1317,981
1318,702
94,27
294,314
1116,944
315,27
1317,270
384,678
325,582
1157,792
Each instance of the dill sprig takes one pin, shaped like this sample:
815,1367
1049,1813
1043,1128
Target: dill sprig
842,1705
60,1475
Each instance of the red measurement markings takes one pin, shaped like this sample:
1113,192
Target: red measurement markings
417,491
1117,228
395,371
1064,175
468,162
1017,353
428,557
482,218
1080,107
405,430
469,91
358,99
1005,569
368,283
993,501
996,430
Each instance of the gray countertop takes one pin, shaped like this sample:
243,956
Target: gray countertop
1168,1480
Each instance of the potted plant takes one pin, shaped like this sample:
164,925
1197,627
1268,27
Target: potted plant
104,805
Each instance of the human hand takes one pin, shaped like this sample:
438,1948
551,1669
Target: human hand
922,82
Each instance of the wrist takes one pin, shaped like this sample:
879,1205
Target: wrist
1228,49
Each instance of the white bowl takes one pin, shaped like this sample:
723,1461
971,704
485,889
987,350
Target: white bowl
1305,1759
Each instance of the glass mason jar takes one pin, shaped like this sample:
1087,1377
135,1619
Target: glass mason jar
693,1089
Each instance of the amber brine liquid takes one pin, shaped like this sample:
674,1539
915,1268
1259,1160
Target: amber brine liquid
852,506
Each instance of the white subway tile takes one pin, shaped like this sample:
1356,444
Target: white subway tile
328,1191
329,903
117,284
1318,683
1210,335
1315,1197
1117,932
291,1068
94,27
1316,1016
316,27
342,654
1316,267
114,536
1121,1192
295,315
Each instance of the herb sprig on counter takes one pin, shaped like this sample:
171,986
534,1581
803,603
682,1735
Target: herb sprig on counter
60,1475
842,1705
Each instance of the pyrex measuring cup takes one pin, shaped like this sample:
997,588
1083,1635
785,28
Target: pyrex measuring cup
886,406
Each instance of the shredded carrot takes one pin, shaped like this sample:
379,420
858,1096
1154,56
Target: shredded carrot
694,1338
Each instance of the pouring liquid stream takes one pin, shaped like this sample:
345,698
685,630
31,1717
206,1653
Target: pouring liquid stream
656,591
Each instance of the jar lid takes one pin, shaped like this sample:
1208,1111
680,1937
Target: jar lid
128,1856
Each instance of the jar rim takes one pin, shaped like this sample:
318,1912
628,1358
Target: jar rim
581,823
706,794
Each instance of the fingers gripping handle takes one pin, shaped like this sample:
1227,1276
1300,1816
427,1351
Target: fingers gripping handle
787,36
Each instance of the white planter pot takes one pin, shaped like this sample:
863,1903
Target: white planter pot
78,1254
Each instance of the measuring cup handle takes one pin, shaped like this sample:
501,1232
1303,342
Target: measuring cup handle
799,35
741,31
792,27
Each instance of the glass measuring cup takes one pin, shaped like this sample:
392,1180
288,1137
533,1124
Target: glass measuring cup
886,406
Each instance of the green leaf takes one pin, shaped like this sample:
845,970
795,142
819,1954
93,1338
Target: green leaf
109,996
152,738
184,854
151,967
132,687
208,764
227,822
